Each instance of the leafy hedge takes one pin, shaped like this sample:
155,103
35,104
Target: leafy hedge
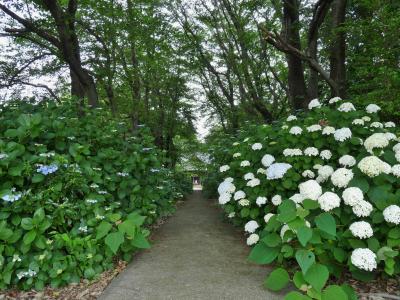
74,192
320,190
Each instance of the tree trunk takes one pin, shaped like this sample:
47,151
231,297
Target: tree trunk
297,87
338,48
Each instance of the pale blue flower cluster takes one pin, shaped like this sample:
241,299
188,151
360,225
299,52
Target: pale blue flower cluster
46,170
277,170
11,197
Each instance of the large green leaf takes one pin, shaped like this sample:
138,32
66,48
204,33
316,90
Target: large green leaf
334,292
103,229
294,295
129,227
277,279
29,237
326,222
305,259
140,241
114,240
317,275
304,234
262,254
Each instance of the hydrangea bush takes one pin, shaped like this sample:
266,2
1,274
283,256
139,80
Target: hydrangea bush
75,192
320,189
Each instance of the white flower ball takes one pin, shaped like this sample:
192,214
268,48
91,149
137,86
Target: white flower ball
376,125
342,134
224,198
396,170
248,176
296,130
277,170
239,195
376,140
308,174
341,177
311,151
328,201
347,161
362,209
324,172
251,226
328,130
224,168
364,259
245,163
253,182
314,104
317,167
366,118
326,154
310,189
313,128
267,160
391,214
390,136
352,195
261,171
276,200
358,122
244,202
297,198
252,239
235,144
372,108
237,154
372,166
267,217
261,200
292,152
285,127
334,100
228,179
256,146
390,124
226,187
361,229
231,215
346,107
291,118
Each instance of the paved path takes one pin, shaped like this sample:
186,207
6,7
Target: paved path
195,255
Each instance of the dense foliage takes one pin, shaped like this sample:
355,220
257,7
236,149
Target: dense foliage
320,189
74,192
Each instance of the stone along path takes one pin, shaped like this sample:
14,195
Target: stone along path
195,255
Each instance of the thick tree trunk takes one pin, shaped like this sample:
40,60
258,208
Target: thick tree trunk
296,82
338,48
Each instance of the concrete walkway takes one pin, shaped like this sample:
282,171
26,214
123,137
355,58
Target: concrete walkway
195,255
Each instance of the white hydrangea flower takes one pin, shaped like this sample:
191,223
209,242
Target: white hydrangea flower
231,215
291,118
310,189
292,152
248,176
267,160
326,154
324,172
268,216
372,108
261,171
276,200
251,226
342,134
313,128
224,198
285,127
224,168
396,170
361,229
314,104
246,140
376,125
396,148
341,177
261,200
226,187
311,151
284,228
237,154
358,122
317,166
277,170
328,201
235,144
334,100
244,202
252,239
308,174
245,163
346,107
390,124
352,195
253,182
347,161
364,258
373,166
376,140
362,209
366,118
328,130
391,214
256,146
297,198
390,136
228,179
296,130
239,195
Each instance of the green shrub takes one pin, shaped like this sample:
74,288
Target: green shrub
74,192
321,189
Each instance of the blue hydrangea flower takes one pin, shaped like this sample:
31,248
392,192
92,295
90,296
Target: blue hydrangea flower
45,170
